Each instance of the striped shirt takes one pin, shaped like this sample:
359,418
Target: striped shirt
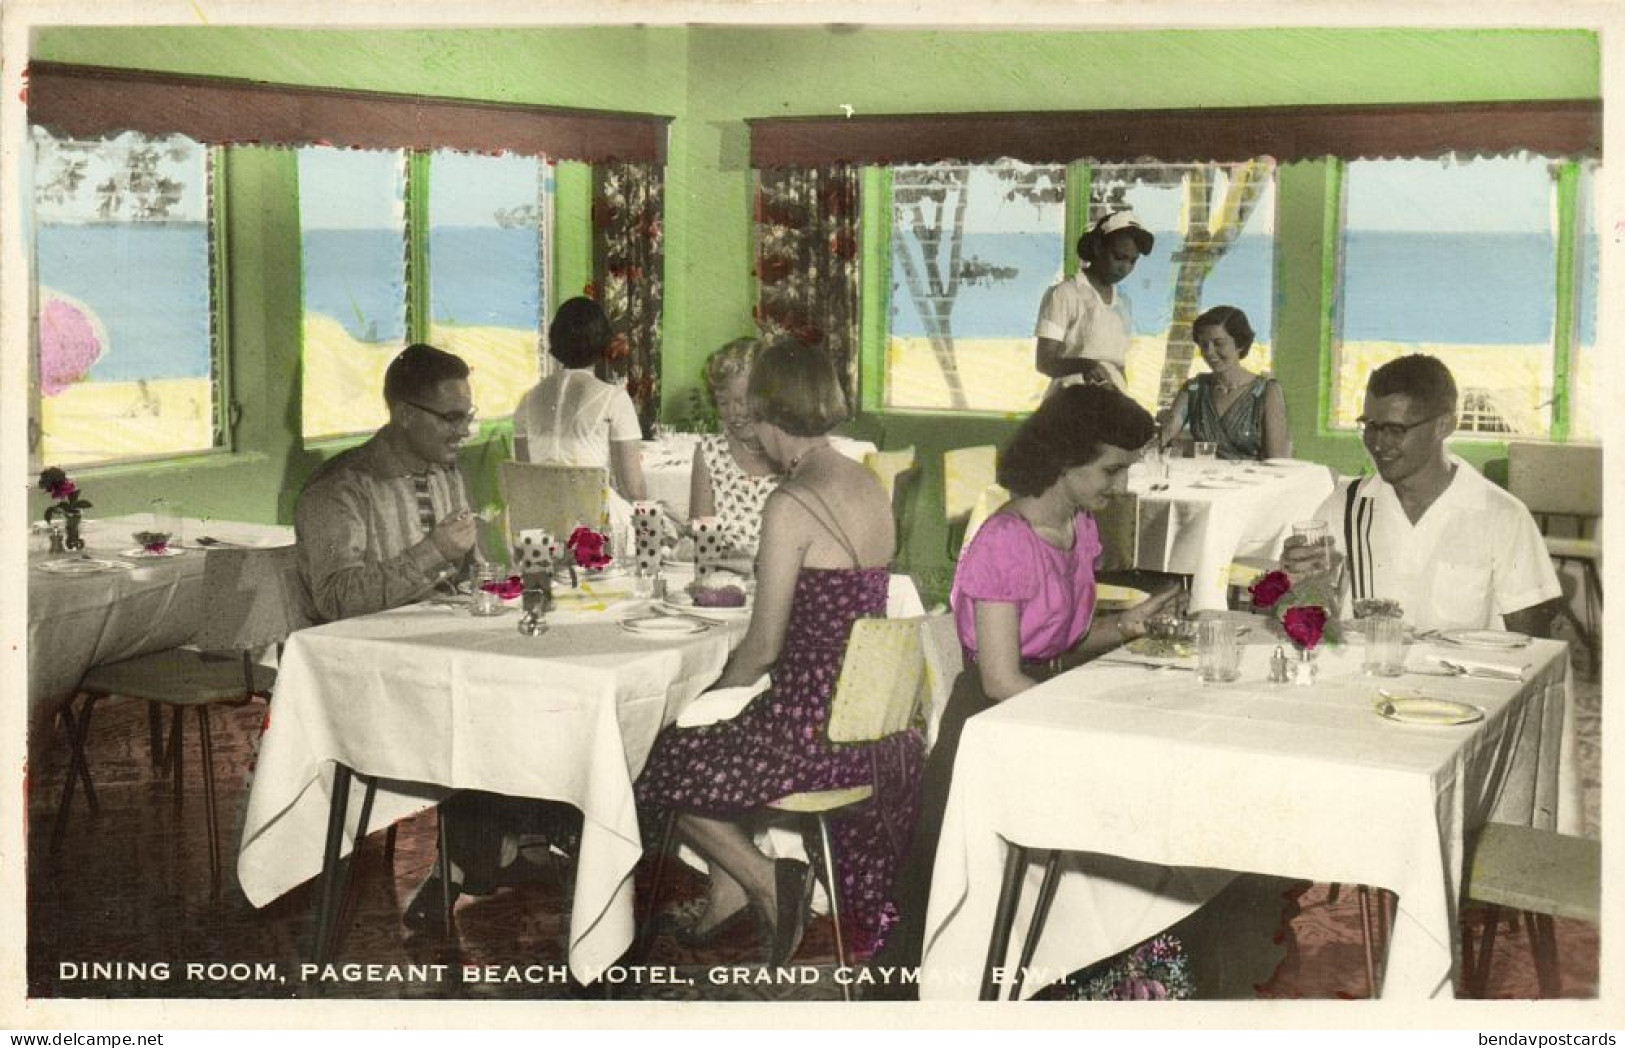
362,532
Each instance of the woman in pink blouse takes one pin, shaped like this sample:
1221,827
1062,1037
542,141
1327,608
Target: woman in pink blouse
1024,594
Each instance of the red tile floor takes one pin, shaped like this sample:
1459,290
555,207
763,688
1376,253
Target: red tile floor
130,890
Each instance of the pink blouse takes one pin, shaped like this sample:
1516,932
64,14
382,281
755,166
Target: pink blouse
1053,590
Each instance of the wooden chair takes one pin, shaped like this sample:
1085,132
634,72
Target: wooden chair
991,498
966,473
881,685
253,598
900,476
1544,875
556,498
1565,481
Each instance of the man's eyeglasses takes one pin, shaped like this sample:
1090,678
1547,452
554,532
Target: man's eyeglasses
1392,431
450,418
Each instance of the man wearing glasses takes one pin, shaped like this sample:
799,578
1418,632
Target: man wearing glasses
1428,531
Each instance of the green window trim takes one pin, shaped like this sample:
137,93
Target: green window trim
874,283
1331,298
418,315
1079,178
1568,246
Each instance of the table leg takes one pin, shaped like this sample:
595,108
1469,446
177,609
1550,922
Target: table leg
1015,864
332,889
1035,928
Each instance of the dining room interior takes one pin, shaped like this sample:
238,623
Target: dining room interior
233,230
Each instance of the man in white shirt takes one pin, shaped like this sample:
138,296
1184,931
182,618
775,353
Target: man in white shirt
1428,531
1086,323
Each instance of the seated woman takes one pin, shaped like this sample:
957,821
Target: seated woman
732,476
826,542
573,418
1024,595
1243,413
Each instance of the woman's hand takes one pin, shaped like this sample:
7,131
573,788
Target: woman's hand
1131,624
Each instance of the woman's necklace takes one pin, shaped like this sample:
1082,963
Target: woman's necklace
795,463
1227,389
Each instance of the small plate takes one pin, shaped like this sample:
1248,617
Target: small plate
1503,640
1286,462
614,571
1220,485
1147,648
1109,597
665,625
682,602
148,554
81,566
1426,710
1354,632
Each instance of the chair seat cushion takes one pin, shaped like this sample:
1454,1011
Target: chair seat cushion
178,676
1539,871
813,802
1583,549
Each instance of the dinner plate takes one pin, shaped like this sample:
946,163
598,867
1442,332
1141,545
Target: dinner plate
147,554
1221,485
1149,648
81,566
1426,709
683,602
1354,632
665,625
1286,462
1503,640
1110,596
614,571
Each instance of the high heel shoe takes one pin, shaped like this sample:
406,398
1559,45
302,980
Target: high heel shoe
691,939
791,885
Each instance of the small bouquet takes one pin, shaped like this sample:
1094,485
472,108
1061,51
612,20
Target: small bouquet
509,588
589,547
1157,970
60,486
1306,610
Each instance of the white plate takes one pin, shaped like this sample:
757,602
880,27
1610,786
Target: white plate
665,625
1171,650
81,566
614,571
1354,632
1427,710
1502,640
1108,596
147,554
1221,485
1287,462
676,562
681,601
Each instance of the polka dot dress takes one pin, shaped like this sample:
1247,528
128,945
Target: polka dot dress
739,496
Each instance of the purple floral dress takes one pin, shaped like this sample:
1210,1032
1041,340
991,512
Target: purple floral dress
777,746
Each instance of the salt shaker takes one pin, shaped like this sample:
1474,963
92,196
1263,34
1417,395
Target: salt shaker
1280,667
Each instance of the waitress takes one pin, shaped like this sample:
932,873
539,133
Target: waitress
1085,323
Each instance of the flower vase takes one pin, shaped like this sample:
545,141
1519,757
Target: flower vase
73,540
1306,668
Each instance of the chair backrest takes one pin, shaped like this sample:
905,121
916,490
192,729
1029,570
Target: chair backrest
993,496
1564,479
882,681
543,495
887,465
252,598
966,473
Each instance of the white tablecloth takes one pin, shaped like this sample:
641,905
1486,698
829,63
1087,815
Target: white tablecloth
432,699
668,464
79,621
1201,522
1169,786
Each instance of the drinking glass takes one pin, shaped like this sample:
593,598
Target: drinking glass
166,521
485,602
1315,534
1384,646
1156,464
1217,654
1205,451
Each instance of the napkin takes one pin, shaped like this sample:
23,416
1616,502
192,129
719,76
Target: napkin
1481,668
721,704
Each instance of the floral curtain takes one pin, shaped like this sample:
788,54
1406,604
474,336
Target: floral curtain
628,204
807,261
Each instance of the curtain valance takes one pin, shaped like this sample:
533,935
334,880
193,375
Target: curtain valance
92,101
1561,127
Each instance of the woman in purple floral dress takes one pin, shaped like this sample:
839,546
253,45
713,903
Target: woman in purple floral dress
827,541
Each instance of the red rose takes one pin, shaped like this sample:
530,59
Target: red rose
64,491
1304,624
588,546
1270,588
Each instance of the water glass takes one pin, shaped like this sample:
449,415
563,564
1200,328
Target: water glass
485,602
1384,646
1205,451
166,521
1218,656
1156,464
1316,534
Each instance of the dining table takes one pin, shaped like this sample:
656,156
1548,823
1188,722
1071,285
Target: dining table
1158,789
114,600
428,698
668,464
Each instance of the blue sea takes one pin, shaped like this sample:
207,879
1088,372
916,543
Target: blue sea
1471,289
1466,288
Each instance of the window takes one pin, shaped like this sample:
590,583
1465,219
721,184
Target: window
1459,259
478,290
352,223
974,247
125,331
1215,230
486,267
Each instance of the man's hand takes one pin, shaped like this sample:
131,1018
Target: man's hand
1301,560
454,536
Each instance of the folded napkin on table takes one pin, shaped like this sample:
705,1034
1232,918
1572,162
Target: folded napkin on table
721,704
1481,668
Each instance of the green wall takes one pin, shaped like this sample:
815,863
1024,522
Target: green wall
712,79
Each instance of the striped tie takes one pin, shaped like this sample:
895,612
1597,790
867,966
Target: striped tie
426,517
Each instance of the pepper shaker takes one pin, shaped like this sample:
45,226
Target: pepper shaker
1280,667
